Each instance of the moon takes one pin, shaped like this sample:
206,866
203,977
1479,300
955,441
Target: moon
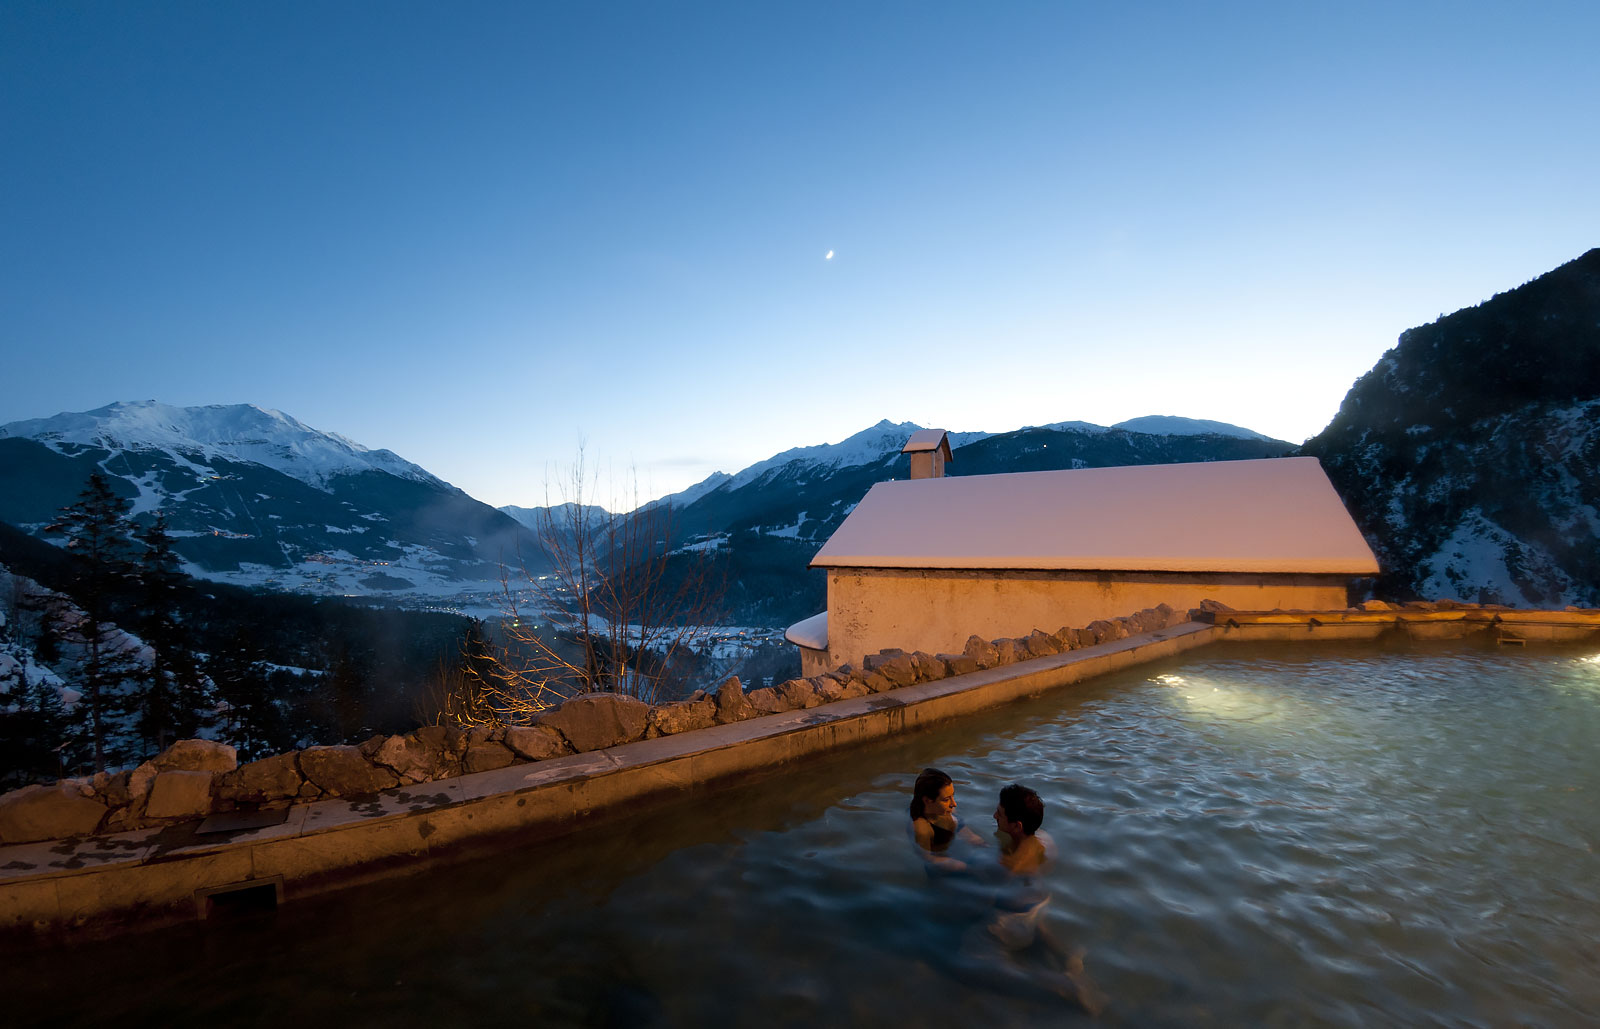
828,256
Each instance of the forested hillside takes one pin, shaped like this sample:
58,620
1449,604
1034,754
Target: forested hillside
1468,455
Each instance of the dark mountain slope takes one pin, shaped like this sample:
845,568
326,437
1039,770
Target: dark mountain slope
1468,454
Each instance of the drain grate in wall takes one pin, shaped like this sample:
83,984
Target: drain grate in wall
236,900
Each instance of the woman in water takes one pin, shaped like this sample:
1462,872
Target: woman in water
934,824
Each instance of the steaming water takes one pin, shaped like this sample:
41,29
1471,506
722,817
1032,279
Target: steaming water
1276,836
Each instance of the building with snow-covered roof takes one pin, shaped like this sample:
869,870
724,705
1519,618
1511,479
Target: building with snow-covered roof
922,564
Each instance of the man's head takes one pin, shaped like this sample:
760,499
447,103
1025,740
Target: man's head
1020,812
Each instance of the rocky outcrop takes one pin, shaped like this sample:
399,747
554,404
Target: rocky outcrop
1467,454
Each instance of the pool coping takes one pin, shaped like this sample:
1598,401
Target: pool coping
98,885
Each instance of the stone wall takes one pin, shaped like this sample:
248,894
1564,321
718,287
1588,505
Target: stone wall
196,778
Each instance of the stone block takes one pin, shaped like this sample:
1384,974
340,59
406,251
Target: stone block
799,693
196,756
48,813
271,778
958,664
536,742
766,701
1042,644
732,706
180,795
410,759
343,772
684,715
929,668
897,667
595,721
981,651
449,741
1007,652
111,788
487,755
876,683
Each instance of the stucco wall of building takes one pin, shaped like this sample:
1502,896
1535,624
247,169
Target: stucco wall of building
936,610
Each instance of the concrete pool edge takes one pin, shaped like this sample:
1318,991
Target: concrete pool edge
97,885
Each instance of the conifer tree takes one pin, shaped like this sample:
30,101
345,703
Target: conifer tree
96,529
174,695
238,670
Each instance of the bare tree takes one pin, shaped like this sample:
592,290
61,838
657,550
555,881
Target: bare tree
613,607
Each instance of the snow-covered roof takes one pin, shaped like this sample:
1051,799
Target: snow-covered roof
926,439
1278,515
809,632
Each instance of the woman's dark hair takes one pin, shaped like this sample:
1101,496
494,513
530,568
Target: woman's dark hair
929,785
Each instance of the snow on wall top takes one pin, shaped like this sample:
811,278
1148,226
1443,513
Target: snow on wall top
234,432
1278,515
809,632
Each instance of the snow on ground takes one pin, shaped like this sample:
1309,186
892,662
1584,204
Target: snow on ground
703,546
790,531
1474,560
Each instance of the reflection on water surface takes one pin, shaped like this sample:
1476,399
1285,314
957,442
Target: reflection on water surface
1249,835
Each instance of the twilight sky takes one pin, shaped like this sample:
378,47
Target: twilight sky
474,233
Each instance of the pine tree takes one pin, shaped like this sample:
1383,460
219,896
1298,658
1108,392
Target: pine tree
174,696
96,529
32,727
254,724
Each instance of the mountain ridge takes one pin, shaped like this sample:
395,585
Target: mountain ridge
1468,453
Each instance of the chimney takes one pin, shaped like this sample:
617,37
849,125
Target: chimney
929,450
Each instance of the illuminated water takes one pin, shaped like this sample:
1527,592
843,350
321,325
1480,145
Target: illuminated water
1265,836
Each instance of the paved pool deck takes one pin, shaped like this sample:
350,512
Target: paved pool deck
90,886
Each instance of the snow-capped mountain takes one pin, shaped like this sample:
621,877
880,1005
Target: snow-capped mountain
240,433
1171,425
883,442
868,446
1468,454
536,518
255,497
